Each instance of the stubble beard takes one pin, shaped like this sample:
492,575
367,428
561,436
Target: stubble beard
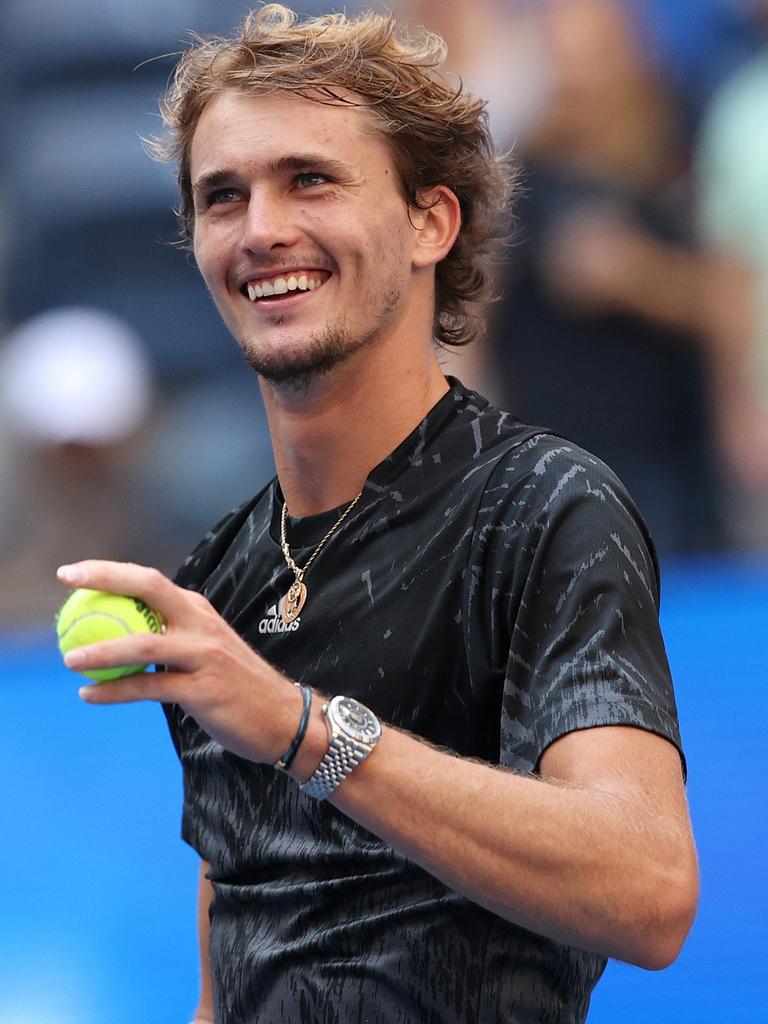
321,352
299,369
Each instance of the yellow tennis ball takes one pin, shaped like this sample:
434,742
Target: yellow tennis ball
89,616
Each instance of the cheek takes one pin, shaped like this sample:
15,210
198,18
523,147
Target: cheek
207,258
391,260
198,251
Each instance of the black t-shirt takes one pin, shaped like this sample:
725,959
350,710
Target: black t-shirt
493,589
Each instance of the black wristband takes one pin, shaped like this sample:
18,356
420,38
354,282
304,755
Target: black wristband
285,762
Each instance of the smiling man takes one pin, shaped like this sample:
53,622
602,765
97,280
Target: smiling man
489,800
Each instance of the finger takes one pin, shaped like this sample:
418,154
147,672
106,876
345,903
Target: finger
163,687
130,579
134,649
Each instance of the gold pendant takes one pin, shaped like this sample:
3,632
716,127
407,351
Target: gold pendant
293,602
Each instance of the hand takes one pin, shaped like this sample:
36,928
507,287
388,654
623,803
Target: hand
231,691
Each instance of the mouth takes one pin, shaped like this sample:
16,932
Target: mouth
283,286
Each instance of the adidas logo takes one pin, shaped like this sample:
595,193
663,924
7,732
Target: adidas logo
272,623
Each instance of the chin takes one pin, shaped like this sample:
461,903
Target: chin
300,365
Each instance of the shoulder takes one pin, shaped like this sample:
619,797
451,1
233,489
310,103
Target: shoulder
532,483
542,475
552,508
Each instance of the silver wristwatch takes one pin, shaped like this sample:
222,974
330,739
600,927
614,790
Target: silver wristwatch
353,731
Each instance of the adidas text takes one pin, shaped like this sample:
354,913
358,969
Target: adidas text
272,623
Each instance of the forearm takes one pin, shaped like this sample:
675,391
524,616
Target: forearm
667,286
595,867
598,262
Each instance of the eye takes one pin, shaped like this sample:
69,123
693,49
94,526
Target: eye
308,179
223,195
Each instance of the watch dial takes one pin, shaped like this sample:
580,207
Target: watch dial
358,720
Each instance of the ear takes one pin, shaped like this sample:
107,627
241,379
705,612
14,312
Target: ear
437,222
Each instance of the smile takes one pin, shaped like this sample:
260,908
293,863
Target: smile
297,281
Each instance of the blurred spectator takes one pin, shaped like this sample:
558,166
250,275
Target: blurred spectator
602,333
75,395
733,179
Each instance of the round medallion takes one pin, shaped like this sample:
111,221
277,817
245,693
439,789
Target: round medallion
293,602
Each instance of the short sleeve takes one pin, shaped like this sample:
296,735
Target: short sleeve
571,596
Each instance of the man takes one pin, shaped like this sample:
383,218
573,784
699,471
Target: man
492,803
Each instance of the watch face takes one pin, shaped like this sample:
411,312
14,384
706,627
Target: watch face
357,720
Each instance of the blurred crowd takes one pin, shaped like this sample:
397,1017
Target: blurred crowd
633,316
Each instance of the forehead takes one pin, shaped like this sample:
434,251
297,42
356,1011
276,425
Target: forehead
236,128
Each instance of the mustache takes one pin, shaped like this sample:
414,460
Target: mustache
273,265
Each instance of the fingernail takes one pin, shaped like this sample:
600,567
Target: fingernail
71,574
86,692
74,658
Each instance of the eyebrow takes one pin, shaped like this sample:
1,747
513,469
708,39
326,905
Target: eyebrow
292,162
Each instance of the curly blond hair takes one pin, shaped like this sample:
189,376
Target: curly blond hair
438,133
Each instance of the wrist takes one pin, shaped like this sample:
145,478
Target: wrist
286,759
314,745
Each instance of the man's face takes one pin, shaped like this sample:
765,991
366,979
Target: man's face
301,232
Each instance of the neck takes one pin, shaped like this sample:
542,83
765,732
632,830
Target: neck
329,437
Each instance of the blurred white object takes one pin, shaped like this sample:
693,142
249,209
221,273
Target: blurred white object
74,375
513,70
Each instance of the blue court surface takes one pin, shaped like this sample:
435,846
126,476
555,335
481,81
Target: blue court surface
98,916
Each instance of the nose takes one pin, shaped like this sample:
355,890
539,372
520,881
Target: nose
269,222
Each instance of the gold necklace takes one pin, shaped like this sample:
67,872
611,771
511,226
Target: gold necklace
296,598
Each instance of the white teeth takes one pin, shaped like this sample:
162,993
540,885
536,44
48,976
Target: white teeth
281,286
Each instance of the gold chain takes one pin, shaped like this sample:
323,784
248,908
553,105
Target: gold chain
299,573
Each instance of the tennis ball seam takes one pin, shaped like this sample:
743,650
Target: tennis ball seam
105,615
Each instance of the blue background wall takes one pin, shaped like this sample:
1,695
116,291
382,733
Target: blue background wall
98,919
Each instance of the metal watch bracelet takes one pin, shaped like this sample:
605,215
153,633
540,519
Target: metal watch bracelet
338,761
